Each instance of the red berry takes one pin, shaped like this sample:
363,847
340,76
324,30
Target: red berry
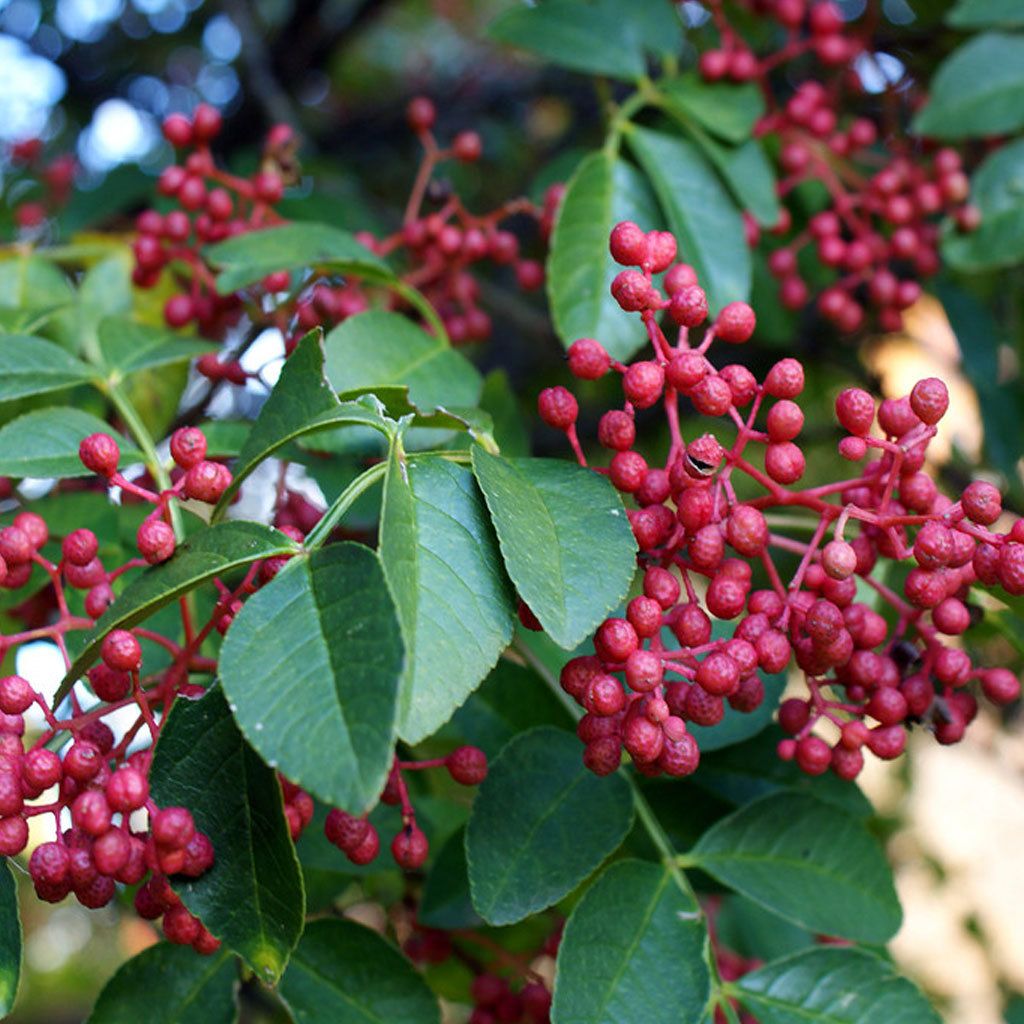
100,454
588,359
467,147
121,651
173,828
188,447
689,306
155,540
735,323
16,695
421,114
628,244
467,765
557,407
929,400
982,502
410,848
177,130
206,123
643,383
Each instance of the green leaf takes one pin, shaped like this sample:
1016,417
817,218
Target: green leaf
997,189
749,176
977,90
590,35
346,974
752,769
603,191
252,897
541,823
806,861
213,552
445,902
127,346
726,110
301,403
379,349
700,212
751,931
247,258
833,986
500,402
986,14
31,366
168,984
10,940
633,950
979,337
442,564
44,443
551,517
29,282
311,667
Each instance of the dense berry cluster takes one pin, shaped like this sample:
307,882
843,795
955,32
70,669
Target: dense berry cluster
707,556
212,205
95,786
877,221
437,248
38,187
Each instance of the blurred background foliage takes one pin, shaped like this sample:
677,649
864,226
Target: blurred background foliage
94,78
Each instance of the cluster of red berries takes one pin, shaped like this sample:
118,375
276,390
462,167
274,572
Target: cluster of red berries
879,229
102,846
817,27
358,838
880,232
700,546
525,999
439,247
108,829
212,205
54,178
